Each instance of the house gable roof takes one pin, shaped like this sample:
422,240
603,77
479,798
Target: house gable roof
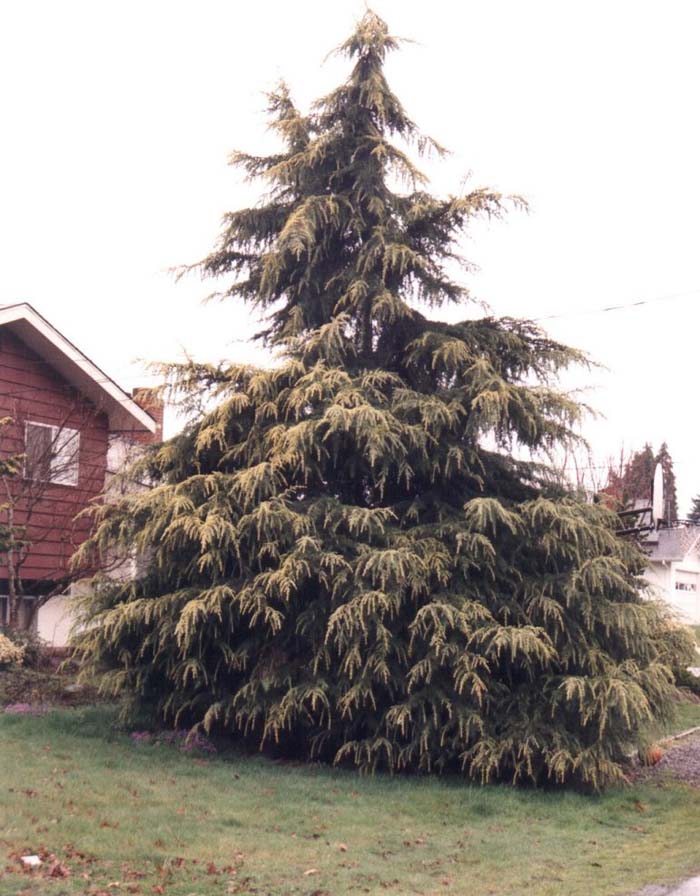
669,545
123,412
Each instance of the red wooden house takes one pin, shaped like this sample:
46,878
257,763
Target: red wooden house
69,420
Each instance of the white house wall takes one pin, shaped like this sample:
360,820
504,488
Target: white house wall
663,577
659,577
686,602
54,620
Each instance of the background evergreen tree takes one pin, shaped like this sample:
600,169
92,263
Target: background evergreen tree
639,477
633,484
670,497
342,558
694,514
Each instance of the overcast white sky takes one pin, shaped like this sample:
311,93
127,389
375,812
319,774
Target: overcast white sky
117,119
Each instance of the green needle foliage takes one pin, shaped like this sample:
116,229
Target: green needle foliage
341,557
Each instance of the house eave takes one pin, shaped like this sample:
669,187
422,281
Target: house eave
124,414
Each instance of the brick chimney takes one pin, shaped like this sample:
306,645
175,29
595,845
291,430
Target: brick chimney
153,405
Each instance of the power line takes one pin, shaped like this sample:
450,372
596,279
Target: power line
621,307
128,400
585,467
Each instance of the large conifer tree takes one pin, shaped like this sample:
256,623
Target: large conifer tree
342,557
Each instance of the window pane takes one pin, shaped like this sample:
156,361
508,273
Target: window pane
64,463
37,449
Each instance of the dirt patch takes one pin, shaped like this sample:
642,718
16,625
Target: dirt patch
680,762
46,686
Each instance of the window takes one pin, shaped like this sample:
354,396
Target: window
686,581
686,586
51,453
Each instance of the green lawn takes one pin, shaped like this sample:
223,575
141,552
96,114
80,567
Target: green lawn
143,819
687,716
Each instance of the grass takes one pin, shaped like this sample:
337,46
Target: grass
687,716
121,817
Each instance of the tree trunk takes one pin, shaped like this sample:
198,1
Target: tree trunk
32,611
13,598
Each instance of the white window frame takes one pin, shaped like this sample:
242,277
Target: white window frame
686,586
64,467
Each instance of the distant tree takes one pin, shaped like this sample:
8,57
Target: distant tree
346,556
639,477
669,477
694,514
630,481
611,492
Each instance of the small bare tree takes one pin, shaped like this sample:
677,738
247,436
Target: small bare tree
40,496
9,533
592,477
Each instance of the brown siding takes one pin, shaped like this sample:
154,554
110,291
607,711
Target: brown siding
31,390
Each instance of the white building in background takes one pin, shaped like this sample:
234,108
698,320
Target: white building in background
674,569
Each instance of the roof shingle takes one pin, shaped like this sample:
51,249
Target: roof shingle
672,544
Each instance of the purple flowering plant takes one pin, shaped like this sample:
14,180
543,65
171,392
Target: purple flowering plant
186,741
26,709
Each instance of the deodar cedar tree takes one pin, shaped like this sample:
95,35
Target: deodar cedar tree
350,555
